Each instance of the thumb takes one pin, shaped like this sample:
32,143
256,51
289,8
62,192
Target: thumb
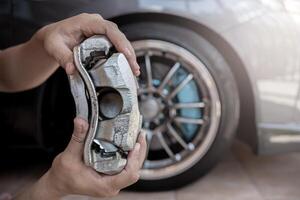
76,144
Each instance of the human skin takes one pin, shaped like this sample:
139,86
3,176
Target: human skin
69,175
28,65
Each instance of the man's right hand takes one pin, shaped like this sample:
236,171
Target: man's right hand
69,175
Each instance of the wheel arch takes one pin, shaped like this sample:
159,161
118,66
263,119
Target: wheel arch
246,130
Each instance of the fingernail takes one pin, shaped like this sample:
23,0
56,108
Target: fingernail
137,72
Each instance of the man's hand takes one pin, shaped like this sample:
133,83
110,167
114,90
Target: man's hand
69,175
60,38
29,64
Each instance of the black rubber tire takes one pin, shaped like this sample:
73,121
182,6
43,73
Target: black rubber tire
227,89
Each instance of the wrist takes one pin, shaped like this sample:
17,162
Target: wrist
40,35
46,188
42,189
39,42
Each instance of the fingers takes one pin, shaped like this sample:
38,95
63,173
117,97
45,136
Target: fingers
112,31
135,160
143,148
70,68
76,144
64,56
70,32
122,45
65,59
130,174
61,52
131,57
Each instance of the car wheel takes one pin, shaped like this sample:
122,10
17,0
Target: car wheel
189,101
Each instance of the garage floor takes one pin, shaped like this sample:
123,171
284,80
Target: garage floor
240,176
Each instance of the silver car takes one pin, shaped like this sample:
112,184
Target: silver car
210,69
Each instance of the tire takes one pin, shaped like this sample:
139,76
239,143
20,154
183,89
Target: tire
226,89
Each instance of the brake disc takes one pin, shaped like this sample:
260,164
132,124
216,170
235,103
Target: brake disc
105,94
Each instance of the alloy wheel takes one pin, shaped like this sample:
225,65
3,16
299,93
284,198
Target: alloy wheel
180,105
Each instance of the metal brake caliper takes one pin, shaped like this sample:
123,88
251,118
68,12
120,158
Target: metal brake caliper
105,94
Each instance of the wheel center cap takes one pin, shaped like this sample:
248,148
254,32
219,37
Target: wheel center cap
149,108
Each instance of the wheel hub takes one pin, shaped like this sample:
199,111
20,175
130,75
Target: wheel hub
150,108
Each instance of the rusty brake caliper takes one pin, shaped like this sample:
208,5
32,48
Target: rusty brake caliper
105,94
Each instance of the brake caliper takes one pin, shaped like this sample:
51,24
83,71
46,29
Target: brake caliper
105,94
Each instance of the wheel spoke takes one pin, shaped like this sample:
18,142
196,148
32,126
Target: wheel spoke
168,77
188,120
165,145
149,136
180,86
146,125
189,105
177,129
177,136
149,71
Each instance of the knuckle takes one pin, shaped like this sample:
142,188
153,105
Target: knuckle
57,160
64,163
78,134
131,57
97,16
133,51
134,177
83,15
111,24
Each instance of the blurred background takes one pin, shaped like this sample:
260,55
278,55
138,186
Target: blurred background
219,94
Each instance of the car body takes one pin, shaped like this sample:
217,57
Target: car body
258,39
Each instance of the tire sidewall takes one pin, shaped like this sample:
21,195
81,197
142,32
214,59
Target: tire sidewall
224,81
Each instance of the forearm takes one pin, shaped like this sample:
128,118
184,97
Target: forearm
42,189
25,66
